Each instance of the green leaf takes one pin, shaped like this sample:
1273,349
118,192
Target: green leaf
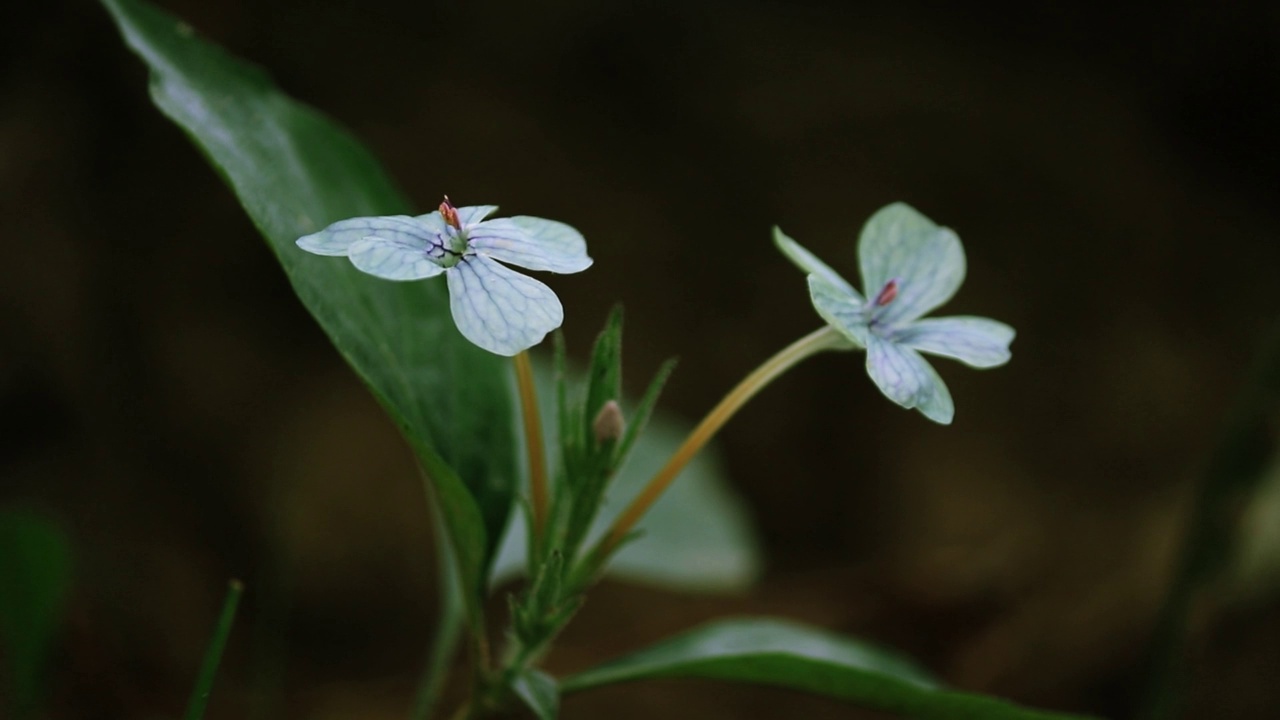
538,690
785,654
35,582
295,171
698,537
213,655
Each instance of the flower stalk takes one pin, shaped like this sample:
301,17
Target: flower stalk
825,338
539,492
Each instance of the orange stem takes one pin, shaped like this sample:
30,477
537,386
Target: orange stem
533,442
825,338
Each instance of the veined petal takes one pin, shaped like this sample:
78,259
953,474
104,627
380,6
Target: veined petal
840,307
926,260
810,263
473,214
499,309
393,259
975,341
532,243
905,378
338,237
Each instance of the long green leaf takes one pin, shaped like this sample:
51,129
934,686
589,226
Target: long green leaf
295,171
785,654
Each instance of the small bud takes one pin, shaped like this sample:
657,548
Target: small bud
887,293
608,425
450,213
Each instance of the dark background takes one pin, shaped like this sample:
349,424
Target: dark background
1113,176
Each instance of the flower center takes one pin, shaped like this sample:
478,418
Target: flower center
875,308
887,293
450,245
450,214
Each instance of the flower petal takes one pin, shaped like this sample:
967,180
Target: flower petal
338,237
473,214
926,260
532,243
841,307
809,262
499,309
975,341
905,378
394,259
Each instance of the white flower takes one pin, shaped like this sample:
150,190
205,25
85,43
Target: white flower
912,266
494,307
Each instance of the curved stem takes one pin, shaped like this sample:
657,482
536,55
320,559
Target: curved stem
533,442
825,338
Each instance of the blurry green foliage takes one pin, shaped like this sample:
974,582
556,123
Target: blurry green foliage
35,583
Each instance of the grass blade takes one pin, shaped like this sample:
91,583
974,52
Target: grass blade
213,655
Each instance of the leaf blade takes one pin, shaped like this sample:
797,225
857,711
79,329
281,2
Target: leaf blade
294,171
790,655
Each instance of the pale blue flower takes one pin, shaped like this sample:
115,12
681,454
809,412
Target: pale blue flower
494,307
912,266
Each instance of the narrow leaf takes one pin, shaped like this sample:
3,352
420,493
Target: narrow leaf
784,654
213,655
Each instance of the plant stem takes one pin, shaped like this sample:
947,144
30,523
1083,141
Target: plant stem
533,443
213,655
825,338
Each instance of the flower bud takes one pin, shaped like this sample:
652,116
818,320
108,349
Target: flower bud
608,425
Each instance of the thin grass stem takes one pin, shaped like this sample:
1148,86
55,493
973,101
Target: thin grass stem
213,655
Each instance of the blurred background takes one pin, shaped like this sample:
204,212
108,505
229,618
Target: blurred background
169,403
